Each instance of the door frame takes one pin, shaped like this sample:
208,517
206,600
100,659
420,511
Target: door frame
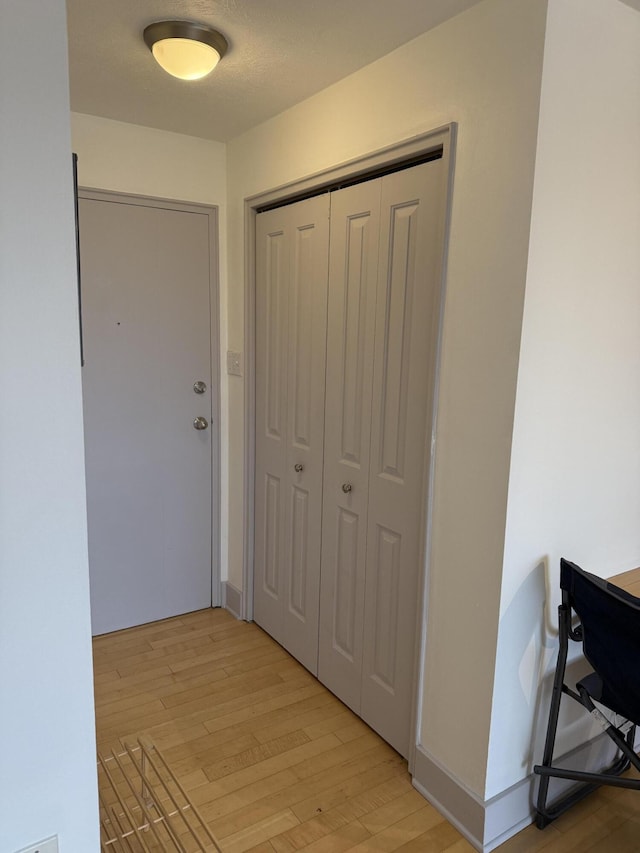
211,212
406,152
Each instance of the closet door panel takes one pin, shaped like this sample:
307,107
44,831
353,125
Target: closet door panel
272,297
409,258
352,292
305,427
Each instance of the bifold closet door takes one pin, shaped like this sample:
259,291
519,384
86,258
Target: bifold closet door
291,317
353,274
374,499
403,376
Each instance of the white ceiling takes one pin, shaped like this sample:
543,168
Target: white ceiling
280,52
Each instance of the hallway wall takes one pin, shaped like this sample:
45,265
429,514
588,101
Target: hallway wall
574,486
482,70
47,742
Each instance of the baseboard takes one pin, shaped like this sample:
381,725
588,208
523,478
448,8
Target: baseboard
489,823
450,796
232,599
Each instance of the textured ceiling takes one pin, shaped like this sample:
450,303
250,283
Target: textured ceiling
280,52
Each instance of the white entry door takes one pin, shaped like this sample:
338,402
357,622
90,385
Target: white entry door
147,340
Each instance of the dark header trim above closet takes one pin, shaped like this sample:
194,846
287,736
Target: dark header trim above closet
387,169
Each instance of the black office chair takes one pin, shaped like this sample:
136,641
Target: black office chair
609,630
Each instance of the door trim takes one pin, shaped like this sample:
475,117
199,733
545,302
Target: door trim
389,157
211,212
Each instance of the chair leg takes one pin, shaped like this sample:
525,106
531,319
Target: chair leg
589,781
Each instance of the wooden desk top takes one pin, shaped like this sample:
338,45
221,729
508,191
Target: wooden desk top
630,581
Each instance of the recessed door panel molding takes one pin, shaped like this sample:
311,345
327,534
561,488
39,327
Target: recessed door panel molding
146,276
302,335
274,350
344,608
299,555
359,246
396,343
295,286
341,604
385,579
272,525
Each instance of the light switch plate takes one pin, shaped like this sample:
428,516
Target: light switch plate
49,845
234,363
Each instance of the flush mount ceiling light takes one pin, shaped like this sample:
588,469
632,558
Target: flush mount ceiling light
184,49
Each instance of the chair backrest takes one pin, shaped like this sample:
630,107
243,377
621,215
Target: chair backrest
610,619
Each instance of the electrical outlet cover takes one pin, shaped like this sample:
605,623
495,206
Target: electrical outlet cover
49,845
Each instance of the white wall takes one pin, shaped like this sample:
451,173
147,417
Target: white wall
482,70
574,488
47,741
128,158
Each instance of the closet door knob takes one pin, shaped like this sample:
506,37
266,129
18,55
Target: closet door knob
298,467
346,488
200,423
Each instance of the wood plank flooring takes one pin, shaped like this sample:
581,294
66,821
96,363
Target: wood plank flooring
275,763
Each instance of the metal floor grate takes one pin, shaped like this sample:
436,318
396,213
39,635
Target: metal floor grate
143,807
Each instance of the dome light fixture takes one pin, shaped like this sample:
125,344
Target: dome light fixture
184,49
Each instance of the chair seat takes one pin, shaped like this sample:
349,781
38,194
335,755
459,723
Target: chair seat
592,683
594,686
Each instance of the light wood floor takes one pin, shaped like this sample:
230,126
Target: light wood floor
275,763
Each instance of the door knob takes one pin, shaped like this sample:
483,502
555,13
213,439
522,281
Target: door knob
298,467
199,387
200,423
346,488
